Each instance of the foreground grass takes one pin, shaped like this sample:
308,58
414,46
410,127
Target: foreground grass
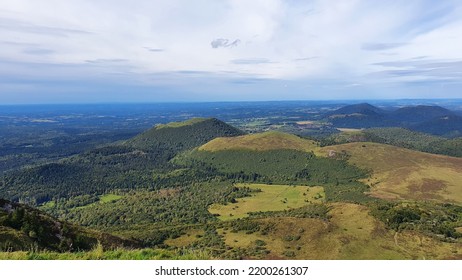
100,254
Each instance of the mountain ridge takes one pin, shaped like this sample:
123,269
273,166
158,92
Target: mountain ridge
431,119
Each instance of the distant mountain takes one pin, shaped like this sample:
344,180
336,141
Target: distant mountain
434,120
179,136
25,228
362,115
362,108
419,113
448,126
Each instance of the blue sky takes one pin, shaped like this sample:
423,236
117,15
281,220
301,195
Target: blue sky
83,51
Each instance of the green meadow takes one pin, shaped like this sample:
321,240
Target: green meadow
268,198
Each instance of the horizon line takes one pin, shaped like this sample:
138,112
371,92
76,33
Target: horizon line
232,101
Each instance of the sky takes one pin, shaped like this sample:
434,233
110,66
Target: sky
85,51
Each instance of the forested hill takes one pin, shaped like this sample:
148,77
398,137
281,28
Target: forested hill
421,113
358,115
180,136
362,108
447,126
25,228
125,166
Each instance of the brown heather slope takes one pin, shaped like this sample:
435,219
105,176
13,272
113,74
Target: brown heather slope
272,140
402,174
350,233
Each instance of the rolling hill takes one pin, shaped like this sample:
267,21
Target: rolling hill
420,113
272,140
362,108
279,158
123,166
448,126
402,174
397,173
361,115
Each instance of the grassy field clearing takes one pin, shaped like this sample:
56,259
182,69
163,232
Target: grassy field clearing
270,198
105,198
109,198
349,129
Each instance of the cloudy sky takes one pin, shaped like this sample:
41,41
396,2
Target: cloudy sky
85,51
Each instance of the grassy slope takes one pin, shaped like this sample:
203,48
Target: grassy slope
351,233
181,124
260,142
271,198
405,174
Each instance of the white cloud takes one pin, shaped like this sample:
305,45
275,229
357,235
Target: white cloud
224,43
267,39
